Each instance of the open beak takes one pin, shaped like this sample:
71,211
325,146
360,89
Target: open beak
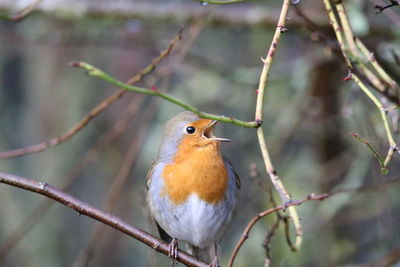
209,133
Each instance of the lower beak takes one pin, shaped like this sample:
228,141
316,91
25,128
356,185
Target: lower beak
209,133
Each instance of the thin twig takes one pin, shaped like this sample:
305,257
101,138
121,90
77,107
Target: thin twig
374,63
338,31
92,212
261,215
343,31
378,83
268,238
380,8
392,144
372,149
23,14
220,2
93,71
94,112
353,53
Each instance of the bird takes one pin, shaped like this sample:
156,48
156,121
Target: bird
192,189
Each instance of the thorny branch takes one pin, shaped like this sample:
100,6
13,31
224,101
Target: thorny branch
261,215
92,212
352,48
311,197
280,28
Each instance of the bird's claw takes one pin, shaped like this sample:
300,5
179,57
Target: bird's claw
173,250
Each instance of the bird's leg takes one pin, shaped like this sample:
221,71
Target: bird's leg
215,262
173,250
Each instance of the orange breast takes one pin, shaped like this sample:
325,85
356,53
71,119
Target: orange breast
195,169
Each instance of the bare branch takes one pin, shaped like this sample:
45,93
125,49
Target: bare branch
116,187
94,112
280,28
261,215
92,212
380,8
96,72
89,157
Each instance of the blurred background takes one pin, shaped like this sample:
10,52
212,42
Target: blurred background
308,115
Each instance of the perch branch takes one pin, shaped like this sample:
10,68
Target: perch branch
89,157
118,184
92,212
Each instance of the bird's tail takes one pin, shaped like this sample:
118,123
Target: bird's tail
203,254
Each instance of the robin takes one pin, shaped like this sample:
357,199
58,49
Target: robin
192,188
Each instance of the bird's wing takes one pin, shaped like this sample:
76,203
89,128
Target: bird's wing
163,235
237,179
149,175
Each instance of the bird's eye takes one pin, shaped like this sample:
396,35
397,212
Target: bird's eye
190,130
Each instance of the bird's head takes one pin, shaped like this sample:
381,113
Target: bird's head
190,132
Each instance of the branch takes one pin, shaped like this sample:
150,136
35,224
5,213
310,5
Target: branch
376,66
261,215
352,49
346,38
23,14
93,71
373,150
69,180
280,28
94,112
94,213
392,144
118,128
380,8
117,186
220,2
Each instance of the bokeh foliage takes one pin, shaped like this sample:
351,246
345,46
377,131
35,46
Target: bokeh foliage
308,114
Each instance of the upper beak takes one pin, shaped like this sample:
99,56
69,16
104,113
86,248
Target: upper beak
209,132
